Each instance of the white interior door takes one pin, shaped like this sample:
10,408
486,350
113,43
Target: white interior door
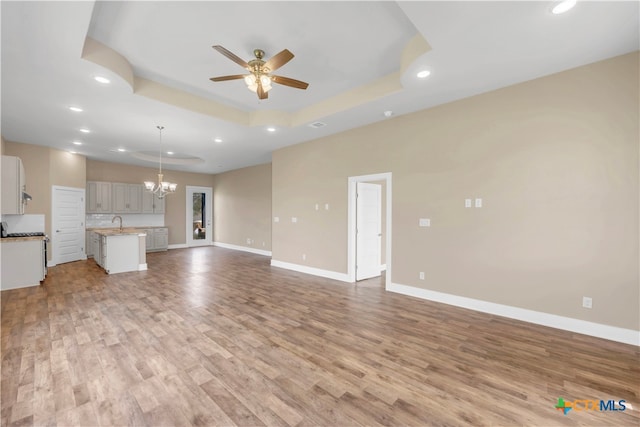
368,230
199,216
67,224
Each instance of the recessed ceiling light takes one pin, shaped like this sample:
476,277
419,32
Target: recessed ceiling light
563,7
77,143
76,109
83,130
170,153
73,152
102,80
388,113
271,129
423,74
122,150
218,140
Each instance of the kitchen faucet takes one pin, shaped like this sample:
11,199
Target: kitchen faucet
120,218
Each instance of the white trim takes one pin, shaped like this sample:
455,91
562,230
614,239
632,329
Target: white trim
311,270
50,263
383,267
613,333
178,246
242,248
142,267
351,222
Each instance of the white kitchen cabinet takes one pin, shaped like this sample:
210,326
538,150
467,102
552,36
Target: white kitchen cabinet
88,244
22,262
160,239
126,198
98,197
157,239
13,185
151,203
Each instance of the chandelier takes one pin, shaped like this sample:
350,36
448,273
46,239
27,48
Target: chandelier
162,188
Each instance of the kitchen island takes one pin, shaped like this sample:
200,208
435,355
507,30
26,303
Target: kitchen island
120,250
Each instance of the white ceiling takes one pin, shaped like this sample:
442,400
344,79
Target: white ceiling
338,46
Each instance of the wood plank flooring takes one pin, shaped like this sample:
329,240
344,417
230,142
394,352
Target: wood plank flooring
209,336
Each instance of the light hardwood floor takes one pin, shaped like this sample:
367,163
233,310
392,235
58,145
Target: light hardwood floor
210,336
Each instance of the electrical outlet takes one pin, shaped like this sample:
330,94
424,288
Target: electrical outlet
587,302
294,219
304,257
326,206
422,275
317,206
276,219
424,222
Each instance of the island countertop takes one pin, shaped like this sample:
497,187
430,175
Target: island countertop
118,232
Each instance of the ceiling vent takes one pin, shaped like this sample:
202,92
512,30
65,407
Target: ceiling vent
317,125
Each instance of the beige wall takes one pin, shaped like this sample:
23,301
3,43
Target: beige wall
175,207
556,163
45,167
242,207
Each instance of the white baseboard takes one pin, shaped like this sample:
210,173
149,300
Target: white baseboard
383,267
51,264
178,246
311,270
242,248
613,333
142,267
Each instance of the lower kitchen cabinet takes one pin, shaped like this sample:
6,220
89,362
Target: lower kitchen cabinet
157,239
23,262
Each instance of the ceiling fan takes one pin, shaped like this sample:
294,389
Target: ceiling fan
260,78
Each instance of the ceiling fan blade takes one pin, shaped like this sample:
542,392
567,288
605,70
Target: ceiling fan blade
261,92
232,56
225,78
279,60
286,81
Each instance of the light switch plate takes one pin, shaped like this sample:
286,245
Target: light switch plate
276,219
294,219
478,203
424,222
467,203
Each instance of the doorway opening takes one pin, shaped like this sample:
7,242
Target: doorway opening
367,242
199,216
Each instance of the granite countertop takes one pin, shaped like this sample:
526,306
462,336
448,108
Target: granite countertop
118,232
21,239
141,227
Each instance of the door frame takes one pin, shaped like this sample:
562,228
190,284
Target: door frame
54,216
351,223
208,240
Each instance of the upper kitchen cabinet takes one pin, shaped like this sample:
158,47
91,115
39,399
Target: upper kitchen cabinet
14,196
127,198
98,197
151,203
